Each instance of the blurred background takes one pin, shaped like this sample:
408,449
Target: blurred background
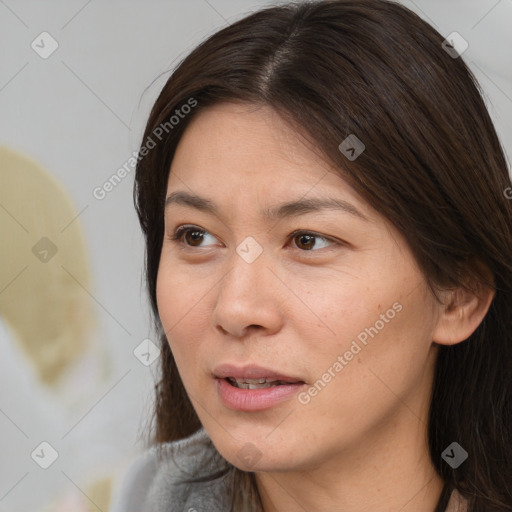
77,359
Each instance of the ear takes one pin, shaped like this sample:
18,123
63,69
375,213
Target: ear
462,312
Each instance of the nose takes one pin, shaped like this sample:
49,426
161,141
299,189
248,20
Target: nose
250,297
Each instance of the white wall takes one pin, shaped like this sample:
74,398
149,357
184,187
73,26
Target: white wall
80,113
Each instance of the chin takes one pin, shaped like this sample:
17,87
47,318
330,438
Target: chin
251,457
262,465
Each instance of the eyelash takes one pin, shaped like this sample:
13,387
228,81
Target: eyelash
177,236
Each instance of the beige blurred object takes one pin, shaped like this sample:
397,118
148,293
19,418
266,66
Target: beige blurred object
44,269
100,493
96,497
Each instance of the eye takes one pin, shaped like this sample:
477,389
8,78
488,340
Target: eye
306,239
192,235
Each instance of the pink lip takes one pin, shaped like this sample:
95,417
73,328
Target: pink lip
251,372
253,399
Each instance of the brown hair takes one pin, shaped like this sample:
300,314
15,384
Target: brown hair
433,166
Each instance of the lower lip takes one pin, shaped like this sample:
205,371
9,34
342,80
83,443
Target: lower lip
254,399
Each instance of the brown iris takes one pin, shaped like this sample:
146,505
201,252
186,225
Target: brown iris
193,234
306,240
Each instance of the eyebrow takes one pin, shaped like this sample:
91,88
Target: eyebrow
279,211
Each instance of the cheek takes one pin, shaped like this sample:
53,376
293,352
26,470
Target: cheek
339,310
179,293
177,306
381,326
166,298
380,354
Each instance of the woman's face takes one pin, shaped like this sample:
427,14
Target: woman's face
340,307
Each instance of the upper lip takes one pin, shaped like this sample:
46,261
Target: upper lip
251,372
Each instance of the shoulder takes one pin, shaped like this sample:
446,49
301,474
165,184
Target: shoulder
457,502
156,484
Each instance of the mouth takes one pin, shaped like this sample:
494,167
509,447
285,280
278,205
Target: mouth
253,377
259,383
254,388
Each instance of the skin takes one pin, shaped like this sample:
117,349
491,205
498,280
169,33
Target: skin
361,443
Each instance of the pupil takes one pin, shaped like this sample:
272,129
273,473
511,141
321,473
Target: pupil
308,239
195,235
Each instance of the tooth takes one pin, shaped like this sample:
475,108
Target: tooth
255,381
260,383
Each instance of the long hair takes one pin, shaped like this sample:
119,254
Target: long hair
432,165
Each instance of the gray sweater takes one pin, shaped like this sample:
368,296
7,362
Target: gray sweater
151,485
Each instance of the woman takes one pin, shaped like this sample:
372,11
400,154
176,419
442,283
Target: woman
329,255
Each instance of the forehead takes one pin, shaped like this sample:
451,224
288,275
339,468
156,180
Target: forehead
243,138
236,146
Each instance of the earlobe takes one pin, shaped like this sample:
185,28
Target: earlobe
461,314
